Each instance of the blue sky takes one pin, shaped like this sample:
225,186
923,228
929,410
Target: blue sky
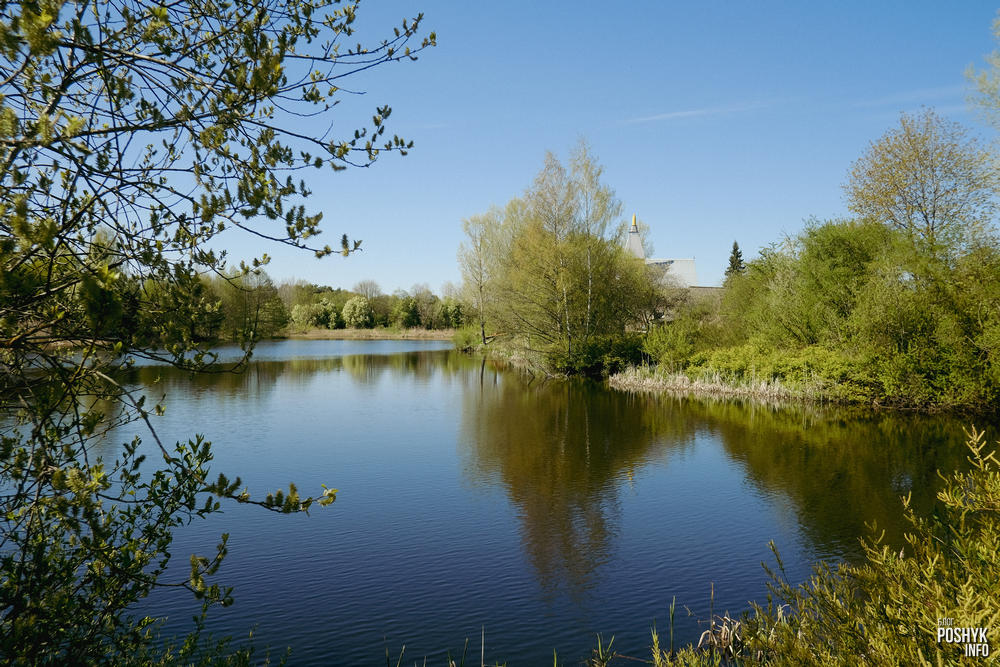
715,121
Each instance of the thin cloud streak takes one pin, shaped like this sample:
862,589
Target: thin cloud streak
922,95
949,111
697,113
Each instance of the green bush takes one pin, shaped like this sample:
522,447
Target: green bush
599,356
467,338
358,313
888,609
671,344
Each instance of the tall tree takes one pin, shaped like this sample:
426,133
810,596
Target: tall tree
736,265
368,289
157,127
929,178
563,279
537,274
597,210
478,260
986,95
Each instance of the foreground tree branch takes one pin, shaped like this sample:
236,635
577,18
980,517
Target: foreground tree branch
132,134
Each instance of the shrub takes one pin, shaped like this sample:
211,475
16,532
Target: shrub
670,344
466,339
358,313
599,356
887,610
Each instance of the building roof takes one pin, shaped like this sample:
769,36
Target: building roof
681,271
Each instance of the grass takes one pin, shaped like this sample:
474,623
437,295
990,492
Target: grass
450,662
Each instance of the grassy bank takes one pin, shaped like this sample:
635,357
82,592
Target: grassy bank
811,373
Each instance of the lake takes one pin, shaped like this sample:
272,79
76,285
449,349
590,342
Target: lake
473,496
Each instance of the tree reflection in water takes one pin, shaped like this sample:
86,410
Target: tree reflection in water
617,502
565,450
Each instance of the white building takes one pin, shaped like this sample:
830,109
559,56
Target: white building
681,271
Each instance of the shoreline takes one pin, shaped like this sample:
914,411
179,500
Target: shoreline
644,380
371,334
636,379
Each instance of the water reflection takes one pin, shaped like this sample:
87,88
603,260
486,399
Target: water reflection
259,378
565,451
561,450
841,469
547,511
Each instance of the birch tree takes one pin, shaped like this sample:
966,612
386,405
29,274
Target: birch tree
597,209
478,261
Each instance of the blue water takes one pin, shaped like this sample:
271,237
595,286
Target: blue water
473,497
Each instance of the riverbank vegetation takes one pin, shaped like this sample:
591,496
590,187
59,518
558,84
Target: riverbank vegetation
898,307
886,610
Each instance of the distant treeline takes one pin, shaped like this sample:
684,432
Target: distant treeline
312,306
248,306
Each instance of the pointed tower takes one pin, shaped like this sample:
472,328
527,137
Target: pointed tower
634,243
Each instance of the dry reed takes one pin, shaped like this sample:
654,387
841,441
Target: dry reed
646,380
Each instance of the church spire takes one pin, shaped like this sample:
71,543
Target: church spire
634,242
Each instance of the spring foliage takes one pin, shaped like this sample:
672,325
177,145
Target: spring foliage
132,134
550,272
929,178
898,307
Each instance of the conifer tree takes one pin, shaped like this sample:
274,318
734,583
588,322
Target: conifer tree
736,265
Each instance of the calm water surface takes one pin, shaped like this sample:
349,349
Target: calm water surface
475,497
